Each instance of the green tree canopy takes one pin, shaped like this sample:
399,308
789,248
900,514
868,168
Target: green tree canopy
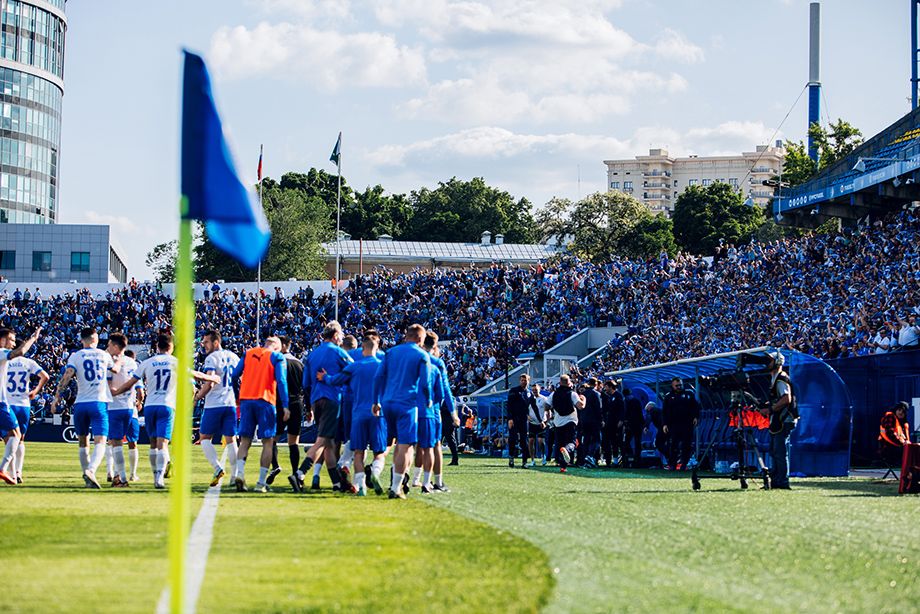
373,213
704,215
162,260
460,210
602,225
835,142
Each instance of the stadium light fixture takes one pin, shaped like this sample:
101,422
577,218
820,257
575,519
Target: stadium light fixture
860,166
896,182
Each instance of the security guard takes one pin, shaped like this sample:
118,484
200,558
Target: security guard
681,414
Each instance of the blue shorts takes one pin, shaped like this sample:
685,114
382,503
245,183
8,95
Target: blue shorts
22,414
256,412
218,421
119,421
8,421
91,415
159,421
134,429
345,420
429,432
402,424
369,431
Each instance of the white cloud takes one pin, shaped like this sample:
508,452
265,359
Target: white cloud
729,138
672,45
327,58
305,9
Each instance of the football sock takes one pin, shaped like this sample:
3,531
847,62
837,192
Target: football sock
335,476
439,480
294,451
275,464
118,452
416,471
20,457
160,459
263,474
305,466
210,453
397,481
153,460
377,467
241,468
9,451
347,455
427,479
317,468
109,460
132,459
359,481
98,455
231,454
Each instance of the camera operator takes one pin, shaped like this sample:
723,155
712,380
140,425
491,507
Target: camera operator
520,403
590,422
565,402
894,433
782,410
614,410
681,414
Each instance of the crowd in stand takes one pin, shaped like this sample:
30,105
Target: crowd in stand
830,295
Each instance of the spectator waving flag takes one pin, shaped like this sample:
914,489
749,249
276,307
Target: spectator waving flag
213,191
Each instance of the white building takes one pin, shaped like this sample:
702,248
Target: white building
657,179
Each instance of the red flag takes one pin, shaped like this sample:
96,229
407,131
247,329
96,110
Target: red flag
259,171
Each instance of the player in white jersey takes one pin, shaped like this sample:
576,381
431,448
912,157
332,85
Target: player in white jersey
20,393
92,368
134,425
219,416
159,373
9,426
121,408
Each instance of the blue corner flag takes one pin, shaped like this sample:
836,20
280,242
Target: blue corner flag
233,219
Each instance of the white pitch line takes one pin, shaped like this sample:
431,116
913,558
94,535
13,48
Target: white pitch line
199,545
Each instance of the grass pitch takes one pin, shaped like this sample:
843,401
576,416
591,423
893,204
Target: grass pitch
503,540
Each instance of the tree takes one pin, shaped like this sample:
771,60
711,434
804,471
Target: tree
298,223
835,142
797,166
162,260
602,225
703,216
373,213
462,210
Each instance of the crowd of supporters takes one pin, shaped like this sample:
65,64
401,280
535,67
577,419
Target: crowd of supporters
830,295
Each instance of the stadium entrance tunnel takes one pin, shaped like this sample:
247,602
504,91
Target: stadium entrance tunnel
821,440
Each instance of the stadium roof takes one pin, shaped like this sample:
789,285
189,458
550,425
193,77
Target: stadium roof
418,250
888,178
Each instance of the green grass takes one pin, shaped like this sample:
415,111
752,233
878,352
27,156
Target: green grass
654,545
69,549
503,540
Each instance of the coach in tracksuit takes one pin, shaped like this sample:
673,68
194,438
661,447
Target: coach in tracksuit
566,402
614,410
520,402
681,414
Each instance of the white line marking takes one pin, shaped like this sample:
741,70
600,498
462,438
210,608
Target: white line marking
199,545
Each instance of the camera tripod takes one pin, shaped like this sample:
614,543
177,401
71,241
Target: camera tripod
744,440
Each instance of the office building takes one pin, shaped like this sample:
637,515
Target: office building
42,253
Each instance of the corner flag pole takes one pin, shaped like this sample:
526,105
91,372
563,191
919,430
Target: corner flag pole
338,221
184,333
259,270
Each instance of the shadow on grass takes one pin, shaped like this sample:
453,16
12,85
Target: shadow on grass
855,487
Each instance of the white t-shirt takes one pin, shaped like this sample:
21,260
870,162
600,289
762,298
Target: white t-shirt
559,420
126,399
883,341
18,380
222,363
91,367
159,372
907,335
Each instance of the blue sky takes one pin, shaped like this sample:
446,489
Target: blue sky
528,94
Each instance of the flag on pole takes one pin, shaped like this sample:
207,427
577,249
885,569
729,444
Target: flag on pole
259,171
337,150
216,196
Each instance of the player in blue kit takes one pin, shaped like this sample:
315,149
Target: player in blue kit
9,421
91,368
368,429
403,382
219,417
446,410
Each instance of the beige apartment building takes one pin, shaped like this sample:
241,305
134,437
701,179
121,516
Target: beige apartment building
657,179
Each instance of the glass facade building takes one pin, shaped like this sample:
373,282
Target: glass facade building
32,36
